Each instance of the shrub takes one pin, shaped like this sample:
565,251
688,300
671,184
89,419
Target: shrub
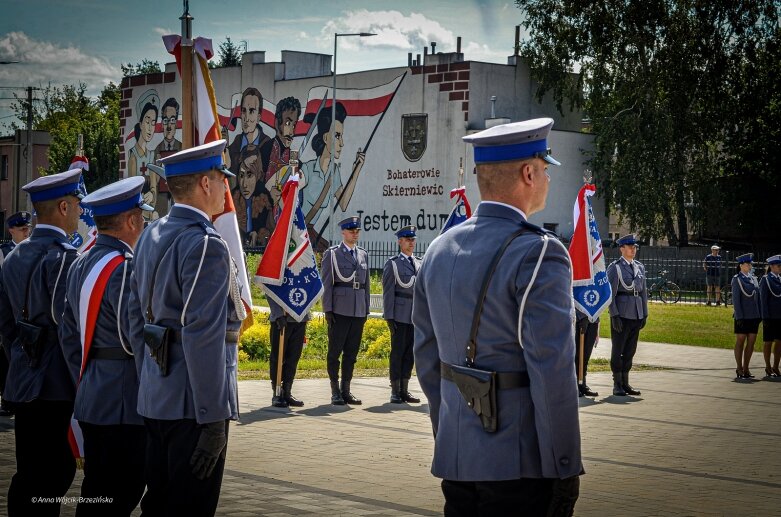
255,340
379,348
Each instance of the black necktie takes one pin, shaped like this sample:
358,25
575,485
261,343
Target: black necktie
352,252
412,263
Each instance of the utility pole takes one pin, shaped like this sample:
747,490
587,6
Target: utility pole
29,150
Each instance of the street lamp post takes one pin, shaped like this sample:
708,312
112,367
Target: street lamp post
332,190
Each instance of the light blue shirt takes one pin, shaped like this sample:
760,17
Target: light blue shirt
315,182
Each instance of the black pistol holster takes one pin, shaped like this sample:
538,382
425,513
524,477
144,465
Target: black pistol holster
478,387
31,338
157,338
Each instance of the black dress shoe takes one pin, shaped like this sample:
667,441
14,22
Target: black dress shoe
337,400
738,374
585,390
618,390
630,390
747,375
351,399
278,401
776,373
294,402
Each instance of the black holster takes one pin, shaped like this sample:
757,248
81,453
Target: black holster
31,338
158,339
478,387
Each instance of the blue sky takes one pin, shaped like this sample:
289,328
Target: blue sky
72,41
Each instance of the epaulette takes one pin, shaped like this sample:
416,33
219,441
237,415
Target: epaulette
358,247
334,246
66,246
128,255
538,229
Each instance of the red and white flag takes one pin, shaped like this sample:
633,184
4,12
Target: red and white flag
207,129
80,162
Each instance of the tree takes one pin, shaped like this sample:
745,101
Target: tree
65,112
662,83
144,67
229,53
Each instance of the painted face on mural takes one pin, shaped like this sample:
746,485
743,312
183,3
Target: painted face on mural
338,131
250,113
148,125
169,123
287,127
248,176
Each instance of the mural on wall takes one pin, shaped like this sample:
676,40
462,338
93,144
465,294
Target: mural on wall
261,135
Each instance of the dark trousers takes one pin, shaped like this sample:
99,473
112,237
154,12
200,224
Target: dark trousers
401,359
3,370
172,489
45,465
624,345
518,497
344,338
294,344
589,330
113,469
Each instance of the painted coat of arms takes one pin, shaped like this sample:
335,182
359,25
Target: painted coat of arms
414,132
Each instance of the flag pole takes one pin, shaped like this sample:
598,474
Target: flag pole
280,355
582,333
187,77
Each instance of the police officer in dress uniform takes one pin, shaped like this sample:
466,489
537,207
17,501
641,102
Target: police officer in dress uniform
107,385
590,333
398,285
770,302
525,336
19,226
39,386
747,314
346,306
184,315
295,332
628,312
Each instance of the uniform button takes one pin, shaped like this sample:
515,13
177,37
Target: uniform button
202,411
564,461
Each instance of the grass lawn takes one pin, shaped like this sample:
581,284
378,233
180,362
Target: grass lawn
686,324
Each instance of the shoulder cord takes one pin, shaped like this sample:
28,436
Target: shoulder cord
405,285
197,274
621,277
336,269
767,281
740,284
127,349
56,282
529,287
233,287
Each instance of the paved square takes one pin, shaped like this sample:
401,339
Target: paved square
694,443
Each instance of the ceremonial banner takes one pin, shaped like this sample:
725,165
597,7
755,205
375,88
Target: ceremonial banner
207,129
590,287
87,233
461,210
288,273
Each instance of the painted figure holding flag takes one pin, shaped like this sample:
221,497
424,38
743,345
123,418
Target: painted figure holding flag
99,356
39,387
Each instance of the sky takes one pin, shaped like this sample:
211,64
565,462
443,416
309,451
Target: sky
86,41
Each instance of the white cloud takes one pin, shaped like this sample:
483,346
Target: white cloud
162,31
42,62
482,52
394,31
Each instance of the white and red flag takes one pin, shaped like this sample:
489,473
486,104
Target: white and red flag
206,127
461,210
590,287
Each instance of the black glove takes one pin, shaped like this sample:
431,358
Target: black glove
642,322
280,323
391,326
211,446
565,495
616,323
329,318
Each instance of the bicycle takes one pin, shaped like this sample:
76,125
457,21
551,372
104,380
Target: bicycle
668,291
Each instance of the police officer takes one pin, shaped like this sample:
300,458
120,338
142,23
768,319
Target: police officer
346,306
747,314
628,312
525,336
398,285
19,226
184,314
39,387
295,332
590,332
106,383
770,302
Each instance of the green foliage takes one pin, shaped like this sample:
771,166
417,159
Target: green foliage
146,66
229,53
670,88
65,112
255,341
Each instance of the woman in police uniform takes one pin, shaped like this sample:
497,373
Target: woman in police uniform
770,302
745,299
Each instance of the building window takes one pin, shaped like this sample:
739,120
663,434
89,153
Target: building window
4,167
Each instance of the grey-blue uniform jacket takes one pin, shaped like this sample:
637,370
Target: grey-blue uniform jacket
526,326
108,391
343,299
277,312
630,297
745,297
770,296
397,300
191,296
44,258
